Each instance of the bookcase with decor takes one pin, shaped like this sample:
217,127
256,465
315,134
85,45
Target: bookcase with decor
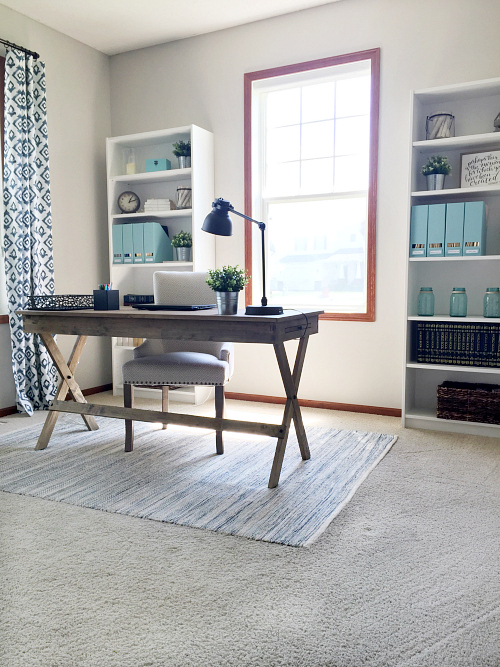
145,165
475,107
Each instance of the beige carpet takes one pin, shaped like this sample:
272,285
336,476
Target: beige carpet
407,575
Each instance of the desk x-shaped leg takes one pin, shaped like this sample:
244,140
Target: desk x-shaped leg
292,408
68,383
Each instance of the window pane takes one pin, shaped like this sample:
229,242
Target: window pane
317,254
352,136
353,96
283,144
317,139
282,179
351,173
283,108
316,176
318,102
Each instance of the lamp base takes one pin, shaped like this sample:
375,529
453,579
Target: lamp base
264,310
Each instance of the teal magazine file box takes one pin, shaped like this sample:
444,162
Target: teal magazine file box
117,242
454,236
138,236
418,230
161,164
435,230
475,228
157,245
128,244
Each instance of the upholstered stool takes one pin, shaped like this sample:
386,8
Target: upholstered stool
168,363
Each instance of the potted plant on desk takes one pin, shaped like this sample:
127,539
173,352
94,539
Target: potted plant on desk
435,170
182,151
227,283
182,242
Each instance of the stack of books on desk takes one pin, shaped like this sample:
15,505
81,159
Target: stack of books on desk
473,344
158,205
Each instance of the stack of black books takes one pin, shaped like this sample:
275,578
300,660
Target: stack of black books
129,299
473,344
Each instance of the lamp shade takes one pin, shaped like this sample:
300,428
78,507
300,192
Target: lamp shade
218,221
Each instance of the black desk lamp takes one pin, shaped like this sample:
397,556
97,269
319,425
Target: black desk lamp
219,223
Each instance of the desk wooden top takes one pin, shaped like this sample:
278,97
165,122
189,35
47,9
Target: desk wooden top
177,325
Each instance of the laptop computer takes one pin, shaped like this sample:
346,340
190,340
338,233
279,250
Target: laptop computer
160,306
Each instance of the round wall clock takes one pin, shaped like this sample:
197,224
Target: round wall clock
129,202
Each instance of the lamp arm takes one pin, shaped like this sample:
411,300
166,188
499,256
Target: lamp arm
261,225
262,228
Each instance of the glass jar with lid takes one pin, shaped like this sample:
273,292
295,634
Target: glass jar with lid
458,302
425,302
491,302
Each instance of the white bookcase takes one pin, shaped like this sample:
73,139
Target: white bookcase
138,278
475,106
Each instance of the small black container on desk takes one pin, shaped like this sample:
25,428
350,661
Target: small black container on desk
106,299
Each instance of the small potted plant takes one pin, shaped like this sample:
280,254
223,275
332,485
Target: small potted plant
182,242
435,170
182,151
227,283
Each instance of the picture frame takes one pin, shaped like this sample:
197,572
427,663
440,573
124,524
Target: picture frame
479,169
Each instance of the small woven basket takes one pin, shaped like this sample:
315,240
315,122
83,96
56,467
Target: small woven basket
468,401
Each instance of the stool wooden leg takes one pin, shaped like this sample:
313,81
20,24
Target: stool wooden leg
220,411
128,402
164,402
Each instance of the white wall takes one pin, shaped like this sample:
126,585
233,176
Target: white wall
200,80
78,110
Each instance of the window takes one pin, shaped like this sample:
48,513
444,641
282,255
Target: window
311,134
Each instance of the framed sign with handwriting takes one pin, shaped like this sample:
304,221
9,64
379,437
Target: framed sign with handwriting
479,169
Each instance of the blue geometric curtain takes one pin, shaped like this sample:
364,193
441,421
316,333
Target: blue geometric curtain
29,267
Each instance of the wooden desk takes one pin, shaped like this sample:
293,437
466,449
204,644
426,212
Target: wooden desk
179,325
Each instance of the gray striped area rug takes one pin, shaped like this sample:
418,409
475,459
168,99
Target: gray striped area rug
175,476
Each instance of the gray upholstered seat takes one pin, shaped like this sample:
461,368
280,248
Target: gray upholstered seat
163,363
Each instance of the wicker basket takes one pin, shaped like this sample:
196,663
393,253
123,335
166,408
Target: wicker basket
60,302
467,401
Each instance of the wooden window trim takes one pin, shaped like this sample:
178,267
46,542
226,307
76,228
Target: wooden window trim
374,56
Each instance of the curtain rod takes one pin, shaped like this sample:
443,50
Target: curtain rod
20,48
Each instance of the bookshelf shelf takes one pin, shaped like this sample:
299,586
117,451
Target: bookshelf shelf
478,258
487,370
474,106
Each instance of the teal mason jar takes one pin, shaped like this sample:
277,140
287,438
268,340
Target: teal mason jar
491,302
458,302
425,301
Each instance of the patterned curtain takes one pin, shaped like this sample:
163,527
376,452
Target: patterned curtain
29,265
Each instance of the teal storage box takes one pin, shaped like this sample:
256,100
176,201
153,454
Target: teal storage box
138,236
162,164
117,240
435,230
418,230
128,244
454,237
475,228
157,246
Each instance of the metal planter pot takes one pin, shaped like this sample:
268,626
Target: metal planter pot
183,254
227,302
184,161
435,181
